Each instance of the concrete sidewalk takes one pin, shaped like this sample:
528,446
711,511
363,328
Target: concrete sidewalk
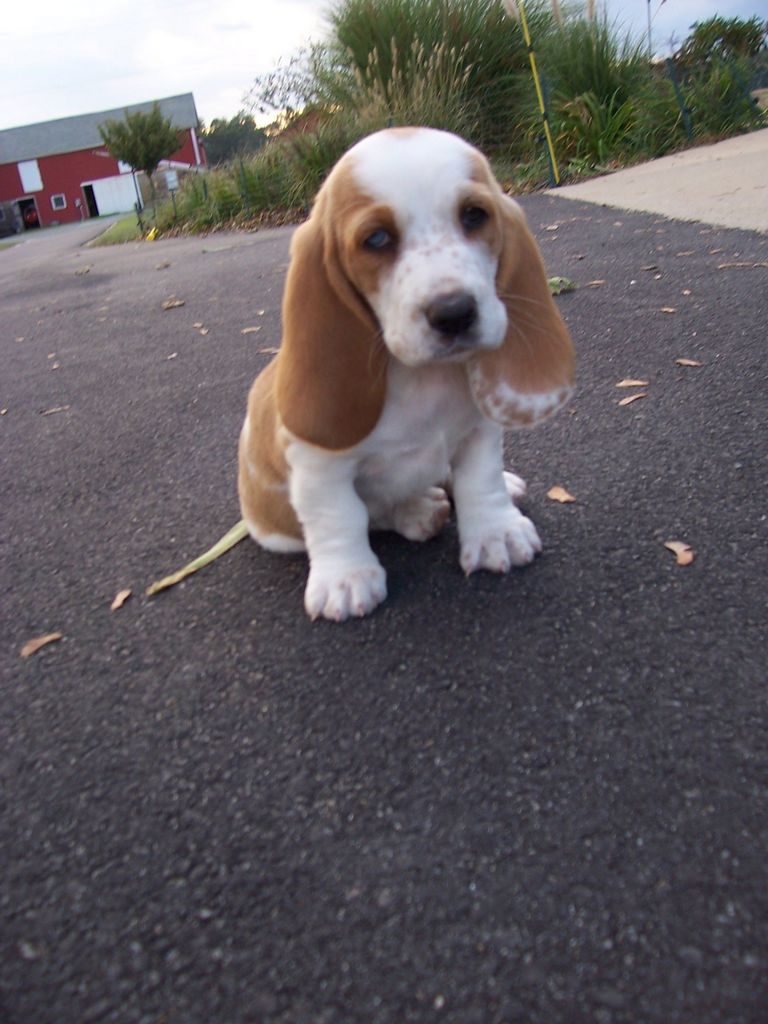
724,184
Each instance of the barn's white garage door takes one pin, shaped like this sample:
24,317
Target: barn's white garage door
114,195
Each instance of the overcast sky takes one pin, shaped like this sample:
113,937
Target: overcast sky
82,56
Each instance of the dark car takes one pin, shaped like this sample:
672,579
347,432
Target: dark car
10,219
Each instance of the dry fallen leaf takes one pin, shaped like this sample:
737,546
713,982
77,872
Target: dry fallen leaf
204,331
632,398
83,270
595,284
560,494
250,330
173,303
55,409
667,309
682,551
33,646
629,383
198,325
725,266
688,362
120,599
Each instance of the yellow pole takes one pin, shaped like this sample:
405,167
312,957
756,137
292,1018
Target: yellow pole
539,93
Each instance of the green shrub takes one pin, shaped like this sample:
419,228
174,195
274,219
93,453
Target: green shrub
659,127
595,132
458,64
309,157
718,99
428,88
595,76
593,57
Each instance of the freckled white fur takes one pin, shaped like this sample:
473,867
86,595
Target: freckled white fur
504,403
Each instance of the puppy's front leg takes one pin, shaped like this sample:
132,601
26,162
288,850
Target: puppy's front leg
345,577
494,533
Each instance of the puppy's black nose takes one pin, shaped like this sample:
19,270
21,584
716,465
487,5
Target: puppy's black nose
452,314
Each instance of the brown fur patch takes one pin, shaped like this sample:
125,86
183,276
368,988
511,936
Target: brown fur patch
536,356
331,373
263,472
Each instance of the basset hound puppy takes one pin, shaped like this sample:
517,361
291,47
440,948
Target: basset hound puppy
417,325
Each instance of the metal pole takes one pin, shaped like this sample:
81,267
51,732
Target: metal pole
539,94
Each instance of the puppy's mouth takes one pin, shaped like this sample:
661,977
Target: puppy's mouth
449,328
455,350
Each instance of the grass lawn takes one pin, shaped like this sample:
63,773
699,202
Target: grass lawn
125,230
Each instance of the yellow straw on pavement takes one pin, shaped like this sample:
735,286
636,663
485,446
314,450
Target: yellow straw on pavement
232,537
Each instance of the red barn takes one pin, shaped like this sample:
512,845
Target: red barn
59,171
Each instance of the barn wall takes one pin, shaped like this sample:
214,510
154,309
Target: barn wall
66,173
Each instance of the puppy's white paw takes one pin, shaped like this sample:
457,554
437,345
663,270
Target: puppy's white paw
508,538
515,485
338,591
424,516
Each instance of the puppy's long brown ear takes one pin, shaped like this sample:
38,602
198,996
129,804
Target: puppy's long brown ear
531,374
331,368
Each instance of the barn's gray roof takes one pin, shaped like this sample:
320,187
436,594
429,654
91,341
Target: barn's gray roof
69,134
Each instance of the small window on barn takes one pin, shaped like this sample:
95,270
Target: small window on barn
59,202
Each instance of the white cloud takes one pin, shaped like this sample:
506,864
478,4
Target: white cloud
84,56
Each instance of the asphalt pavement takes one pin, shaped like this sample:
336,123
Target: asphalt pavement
537,799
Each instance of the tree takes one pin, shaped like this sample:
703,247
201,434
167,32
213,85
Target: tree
225,140
724,39
141,140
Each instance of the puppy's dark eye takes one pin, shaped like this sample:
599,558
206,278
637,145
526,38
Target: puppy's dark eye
378,240
473,217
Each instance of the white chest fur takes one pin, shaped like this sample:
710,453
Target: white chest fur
427,415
